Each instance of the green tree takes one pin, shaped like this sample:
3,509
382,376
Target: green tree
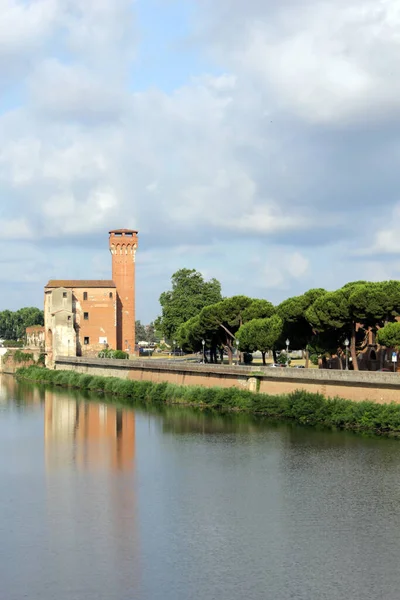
389,335
260,334
336,311
188,296
220,322
140,332
296,326
14,324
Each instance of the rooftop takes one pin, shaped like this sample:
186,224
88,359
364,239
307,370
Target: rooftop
123,231
80,283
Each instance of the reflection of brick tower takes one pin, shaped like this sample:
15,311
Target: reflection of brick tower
123,244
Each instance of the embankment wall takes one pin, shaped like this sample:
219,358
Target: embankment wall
7,363
363,385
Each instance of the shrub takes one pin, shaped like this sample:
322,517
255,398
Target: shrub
109,353
300,406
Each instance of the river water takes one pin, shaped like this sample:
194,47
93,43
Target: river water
101,502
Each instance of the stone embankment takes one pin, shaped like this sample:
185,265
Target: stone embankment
357,386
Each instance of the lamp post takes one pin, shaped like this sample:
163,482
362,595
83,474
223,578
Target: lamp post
237,352
287,352
204,356
174,343
346,343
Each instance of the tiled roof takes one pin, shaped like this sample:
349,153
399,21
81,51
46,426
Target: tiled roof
80,283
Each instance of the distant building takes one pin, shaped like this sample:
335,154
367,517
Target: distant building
83,317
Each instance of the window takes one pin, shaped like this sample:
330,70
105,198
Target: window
69,317
86,316
111,294
64,294
129,234
85,295
86,341
118,234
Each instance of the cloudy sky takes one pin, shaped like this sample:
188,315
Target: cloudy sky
254,140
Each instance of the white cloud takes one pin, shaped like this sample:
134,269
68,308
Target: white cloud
25,25
279,270
324,60
262,160
15,229
75,92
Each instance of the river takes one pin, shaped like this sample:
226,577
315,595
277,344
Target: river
100,502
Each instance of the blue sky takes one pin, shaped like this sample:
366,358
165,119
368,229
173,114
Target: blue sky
256,141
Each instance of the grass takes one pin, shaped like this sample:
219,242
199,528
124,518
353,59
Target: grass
300,406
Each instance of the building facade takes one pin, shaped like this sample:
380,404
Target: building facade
35,337
83,317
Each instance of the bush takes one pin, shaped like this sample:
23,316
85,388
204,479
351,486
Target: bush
12,344
20,357
300,406
117,354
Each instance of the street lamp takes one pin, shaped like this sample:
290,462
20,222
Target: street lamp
237,352
346,343
174,343
287,352
204,356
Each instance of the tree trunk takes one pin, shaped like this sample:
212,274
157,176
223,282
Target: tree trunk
307,358
274,355
353,352
229,349
263,357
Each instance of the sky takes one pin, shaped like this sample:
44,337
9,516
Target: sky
253,140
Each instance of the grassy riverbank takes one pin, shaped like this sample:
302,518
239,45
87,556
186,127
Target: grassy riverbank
300,406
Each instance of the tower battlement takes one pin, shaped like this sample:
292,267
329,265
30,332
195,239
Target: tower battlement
123,244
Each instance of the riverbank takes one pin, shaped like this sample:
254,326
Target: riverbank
299,406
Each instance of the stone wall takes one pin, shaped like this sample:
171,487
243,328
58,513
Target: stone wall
363,385
9,366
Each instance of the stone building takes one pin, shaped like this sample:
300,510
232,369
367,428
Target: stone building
35,337
83,317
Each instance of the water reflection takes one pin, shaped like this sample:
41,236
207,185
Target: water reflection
90,435
19,393
169,504
91,504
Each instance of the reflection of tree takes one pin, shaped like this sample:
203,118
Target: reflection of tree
180,420
19,393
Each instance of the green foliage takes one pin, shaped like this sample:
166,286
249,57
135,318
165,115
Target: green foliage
389,335
13,344
260,334
283,359
14,324
19,357
300,406
293,314
42,359
145,333
189,294
140,332
109,353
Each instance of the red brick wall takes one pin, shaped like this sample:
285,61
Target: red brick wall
100,306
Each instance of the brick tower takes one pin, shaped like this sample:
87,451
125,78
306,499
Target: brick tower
123,244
